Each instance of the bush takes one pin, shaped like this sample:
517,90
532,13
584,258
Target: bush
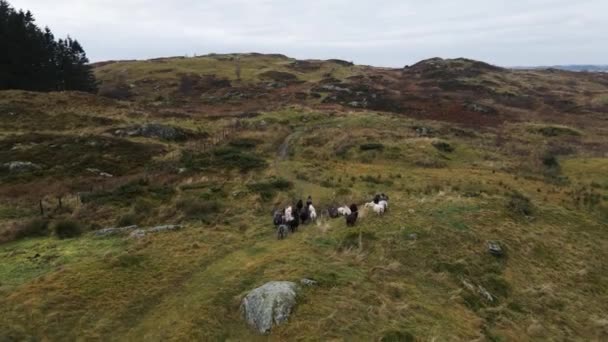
397,336
244,143
443,146
224,157
554,131
35,227
371,146
268,188
117,91
198,209
550,161
128,219
67,229
520,204
126,194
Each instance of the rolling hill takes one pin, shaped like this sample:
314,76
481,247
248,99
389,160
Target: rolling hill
468,152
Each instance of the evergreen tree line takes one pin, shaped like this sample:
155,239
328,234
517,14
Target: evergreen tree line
31,58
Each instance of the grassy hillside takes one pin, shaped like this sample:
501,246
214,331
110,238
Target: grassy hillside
467,152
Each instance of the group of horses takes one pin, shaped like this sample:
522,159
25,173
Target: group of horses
290,218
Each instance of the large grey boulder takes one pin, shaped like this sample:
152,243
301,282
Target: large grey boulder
269,305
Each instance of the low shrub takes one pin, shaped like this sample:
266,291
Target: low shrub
117,91
244,143
33,228
555,131
224,157
520,204
550,161
196,209
268,188
128,219
371,147
67,229
397,336
354,239
443,146
126,194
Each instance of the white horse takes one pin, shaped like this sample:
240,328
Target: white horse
344,211
378,208
288,214
312,212
384,203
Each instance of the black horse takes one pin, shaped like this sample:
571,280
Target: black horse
351,219
282,231
333,212
295,223
304,215
300,205
277,218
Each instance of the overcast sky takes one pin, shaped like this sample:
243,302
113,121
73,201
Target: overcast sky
378,32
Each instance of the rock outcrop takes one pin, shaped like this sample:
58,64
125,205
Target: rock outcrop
158,131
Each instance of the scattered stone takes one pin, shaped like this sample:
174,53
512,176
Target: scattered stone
413,236
114,231
468,285
536,329
423,131
485,293
21,166
269,305
165,228
308,282
495,249
137,234
478,289
478,108
100,173
140,233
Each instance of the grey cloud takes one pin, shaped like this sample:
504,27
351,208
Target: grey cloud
390,32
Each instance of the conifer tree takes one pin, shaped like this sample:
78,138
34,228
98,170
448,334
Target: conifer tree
31,58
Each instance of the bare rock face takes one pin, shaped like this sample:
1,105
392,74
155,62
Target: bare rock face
269,305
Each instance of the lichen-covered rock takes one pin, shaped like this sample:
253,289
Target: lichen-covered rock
269,305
